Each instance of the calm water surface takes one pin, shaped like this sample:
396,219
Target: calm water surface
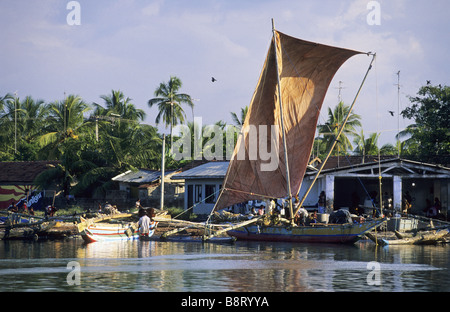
242,267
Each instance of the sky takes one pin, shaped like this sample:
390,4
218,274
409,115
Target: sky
134,45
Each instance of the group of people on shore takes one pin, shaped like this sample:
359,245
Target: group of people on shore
23,209
49,211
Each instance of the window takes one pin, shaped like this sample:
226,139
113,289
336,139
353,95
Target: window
210,196
197,193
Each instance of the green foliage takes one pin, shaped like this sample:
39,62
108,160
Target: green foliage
429,137
91,148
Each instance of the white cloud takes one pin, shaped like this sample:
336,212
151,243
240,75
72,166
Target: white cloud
152,9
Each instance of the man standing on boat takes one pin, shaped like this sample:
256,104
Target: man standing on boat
144,224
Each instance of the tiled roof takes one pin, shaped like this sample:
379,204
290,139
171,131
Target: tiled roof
22,171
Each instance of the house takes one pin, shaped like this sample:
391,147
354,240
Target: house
146,185
17,179
350,181
202,185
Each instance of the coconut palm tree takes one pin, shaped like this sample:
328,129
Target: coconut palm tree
169,103
31,115
335,120
389,149
116,103
239,121
365,146
65,122
3,100
8,131
20,123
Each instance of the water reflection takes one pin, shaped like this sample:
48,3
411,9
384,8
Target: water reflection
244,266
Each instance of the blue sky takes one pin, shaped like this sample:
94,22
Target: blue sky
133,45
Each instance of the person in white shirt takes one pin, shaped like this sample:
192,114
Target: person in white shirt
144,225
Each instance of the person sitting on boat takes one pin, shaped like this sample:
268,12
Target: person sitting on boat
301,217
313,217
262,209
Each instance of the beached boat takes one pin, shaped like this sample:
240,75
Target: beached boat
99,232
283,114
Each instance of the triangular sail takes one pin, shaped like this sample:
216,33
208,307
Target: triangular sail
305,70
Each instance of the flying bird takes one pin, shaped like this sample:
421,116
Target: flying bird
213,79
391,112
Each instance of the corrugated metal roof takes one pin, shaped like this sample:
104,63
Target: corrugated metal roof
211,170
140,176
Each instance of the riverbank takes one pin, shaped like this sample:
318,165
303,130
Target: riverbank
67,226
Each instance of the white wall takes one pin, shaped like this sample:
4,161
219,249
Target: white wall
200,206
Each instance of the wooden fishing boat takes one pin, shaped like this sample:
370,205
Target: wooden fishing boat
325,233
283,114
99,232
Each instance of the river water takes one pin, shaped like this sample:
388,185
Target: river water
72,266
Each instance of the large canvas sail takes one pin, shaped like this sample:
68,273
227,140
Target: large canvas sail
305,71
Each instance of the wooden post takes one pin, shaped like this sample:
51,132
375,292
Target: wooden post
162,170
